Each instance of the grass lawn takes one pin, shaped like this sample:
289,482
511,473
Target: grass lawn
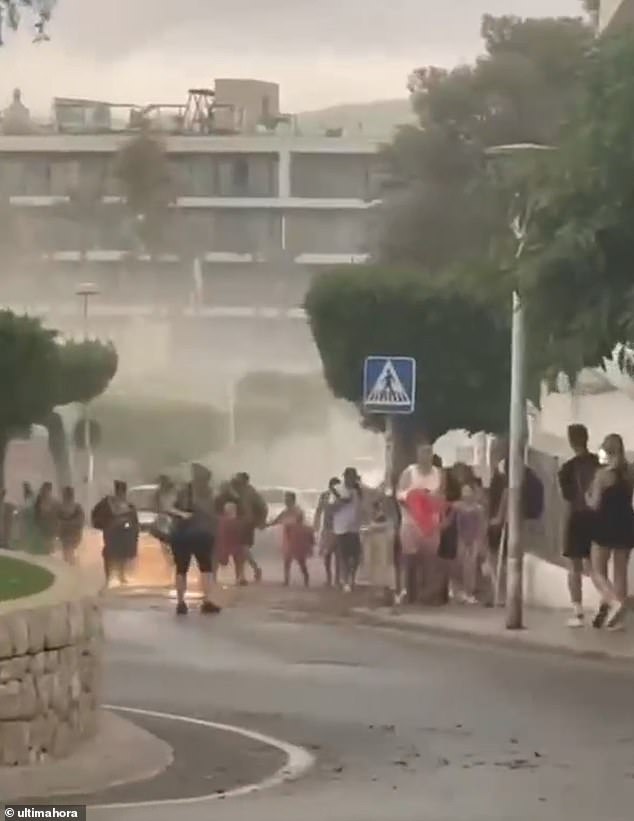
18,578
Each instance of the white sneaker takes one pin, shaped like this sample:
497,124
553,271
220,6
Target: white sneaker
347,588
577,620
400,598
615,615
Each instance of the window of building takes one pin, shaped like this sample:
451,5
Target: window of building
241,175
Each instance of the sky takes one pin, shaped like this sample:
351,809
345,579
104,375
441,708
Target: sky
322,52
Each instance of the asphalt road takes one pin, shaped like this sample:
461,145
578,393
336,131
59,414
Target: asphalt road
403,728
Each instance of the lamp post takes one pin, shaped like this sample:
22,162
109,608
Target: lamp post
519,224
86,290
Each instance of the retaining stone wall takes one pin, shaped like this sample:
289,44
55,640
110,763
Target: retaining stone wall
50,666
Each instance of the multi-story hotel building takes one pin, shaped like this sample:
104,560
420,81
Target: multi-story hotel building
258,207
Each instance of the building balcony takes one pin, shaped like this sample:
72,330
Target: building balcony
277,203
212,257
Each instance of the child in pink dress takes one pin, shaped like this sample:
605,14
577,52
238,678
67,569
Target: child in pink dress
230,540
297,538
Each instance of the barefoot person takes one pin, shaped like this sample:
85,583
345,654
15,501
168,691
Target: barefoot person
323,525
70,525
297,538
44,520
575,480
611,498
230,541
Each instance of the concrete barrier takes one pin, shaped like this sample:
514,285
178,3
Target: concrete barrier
50,666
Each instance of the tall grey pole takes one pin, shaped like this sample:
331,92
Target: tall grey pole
517,421
389,452
85,290
87,432
517,427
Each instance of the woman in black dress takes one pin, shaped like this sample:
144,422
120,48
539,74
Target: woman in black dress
611,499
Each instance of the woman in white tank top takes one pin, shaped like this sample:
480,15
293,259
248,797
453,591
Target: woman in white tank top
416,548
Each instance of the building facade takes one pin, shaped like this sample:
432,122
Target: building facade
257,209
614,13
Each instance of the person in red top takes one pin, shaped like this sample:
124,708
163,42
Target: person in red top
297,538
230,541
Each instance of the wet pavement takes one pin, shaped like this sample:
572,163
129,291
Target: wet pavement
404,726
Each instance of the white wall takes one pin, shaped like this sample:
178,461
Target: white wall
602,414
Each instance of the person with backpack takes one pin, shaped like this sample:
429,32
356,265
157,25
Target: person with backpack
575,480
117,519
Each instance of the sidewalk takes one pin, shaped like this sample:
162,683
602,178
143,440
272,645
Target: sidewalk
546,630
121,753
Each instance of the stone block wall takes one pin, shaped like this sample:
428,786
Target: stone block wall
50,666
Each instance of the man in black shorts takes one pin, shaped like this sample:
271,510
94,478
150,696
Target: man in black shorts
346,524
575,479
193,537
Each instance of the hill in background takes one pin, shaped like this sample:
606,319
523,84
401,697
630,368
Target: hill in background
376,119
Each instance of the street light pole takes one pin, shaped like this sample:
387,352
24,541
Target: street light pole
517,411
86,290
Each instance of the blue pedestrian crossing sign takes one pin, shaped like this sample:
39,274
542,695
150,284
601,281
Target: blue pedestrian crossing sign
389,384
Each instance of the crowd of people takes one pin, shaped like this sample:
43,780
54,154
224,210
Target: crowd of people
437,535
41,522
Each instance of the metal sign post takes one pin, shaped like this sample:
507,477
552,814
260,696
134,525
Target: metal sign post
389,389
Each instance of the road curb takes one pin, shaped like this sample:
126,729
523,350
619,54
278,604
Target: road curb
94,766
298,761
509,641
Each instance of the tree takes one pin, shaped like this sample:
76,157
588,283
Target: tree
39,11
460,344
38,373
85,369
143,170
28,366
578,280
435,215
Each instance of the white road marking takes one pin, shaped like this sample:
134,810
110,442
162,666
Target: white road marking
298,761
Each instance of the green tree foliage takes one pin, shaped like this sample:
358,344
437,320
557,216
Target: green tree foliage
38,373
578,279
435,213
28,366
86,369
143,170
460,344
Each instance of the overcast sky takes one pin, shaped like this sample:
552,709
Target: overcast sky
322,52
